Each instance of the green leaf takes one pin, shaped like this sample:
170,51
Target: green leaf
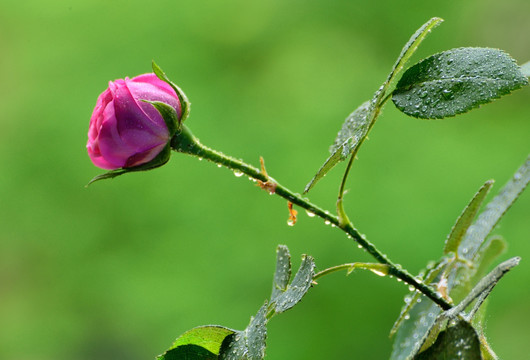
525,68
416,324
415,329
358,124
283,300
495,209
466,218
489,252
203,342
214,342
411,299
283,271
184,102
456,81
410,48
459,342
250,343
349,138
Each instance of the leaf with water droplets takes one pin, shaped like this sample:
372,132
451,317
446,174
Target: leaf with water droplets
359,123
525,68
413,332
411,299
466,218
248,344
293,293
459,341
282,274
349,138
456,81
495,209
203,342
488,253
411,46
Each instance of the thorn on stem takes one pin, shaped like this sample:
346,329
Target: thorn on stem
268,185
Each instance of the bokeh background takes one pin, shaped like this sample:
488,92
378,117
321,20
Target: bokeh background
120,269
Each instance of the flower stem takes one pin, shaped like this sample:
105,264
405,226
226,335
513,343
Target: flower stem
185,142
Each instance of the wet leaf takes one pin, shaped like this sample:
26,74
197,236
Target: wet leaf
203,342
415,324
412,298
283,271
495,209
214,342
410,48
293,293
413,331
488,253
525,68
458,342
466,218
359,123
349,138
248,344
456,81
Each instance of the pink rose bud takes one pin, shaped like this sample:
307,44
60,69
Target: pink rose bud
125,131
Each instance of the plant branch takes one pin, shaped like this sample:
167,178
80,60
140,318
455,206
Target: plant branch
185,142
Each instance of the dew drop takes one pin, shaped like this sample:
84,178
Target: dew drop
219,165
407,317
447,94
290,222
309,213
200,158
238,173
378,272
359,246
411,288
327,222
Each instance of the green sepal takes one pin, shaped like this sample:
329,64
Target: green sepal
159,160
184,142
184,102
169,115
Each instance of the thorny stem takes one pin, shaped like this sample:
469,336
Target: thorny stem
185,142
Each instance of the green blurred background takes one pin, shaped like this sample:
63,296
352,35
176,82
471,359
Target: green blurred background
118,270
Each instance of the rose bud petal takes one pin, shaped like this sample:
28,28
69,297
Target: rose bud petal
125,131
